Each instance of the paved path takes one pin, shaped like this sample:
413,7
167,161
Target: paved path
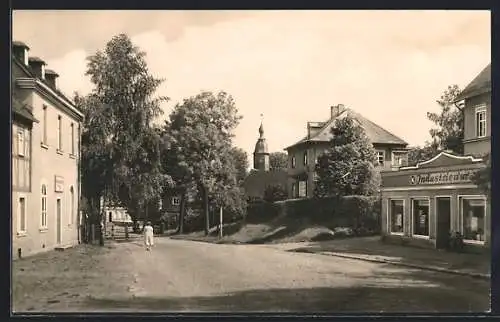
191,276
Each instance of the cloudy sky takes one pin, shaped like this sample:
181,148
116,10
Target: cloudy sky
291,66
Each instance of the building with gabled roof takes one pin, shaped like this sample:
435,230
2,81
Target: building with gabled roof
303,155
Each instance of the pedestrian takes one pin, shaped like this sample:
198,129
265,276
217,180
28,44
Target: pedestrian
148,235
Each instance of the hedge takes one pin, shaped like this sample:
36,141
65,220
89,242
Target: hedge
347,211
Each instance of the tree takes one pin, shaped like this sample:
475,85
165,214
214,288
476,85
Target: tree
275,192
418,154
482,178
278,161
122,147
240,160
200,132
448,132
347,168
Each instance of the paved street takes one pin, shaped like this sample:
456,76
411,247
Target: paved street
191,276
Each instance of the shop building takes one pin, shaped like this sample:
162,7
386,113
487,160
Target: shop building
45,158
423,204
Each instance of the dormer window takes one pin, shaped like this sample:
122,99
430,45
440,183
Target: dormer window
481,121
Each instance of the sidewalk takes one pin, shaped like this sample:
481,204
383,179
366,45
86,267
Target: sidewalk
372,249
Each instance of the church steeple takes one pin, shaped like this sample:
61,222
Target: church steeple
261,154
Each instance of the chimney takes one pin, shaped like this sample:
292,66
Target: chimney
38,67
50,77
336,110
20,51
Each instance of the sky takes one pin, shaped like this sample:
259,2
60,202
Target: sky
290,66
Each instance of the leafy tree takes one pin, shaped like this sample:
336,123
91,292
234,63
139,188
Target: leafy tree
121,148
278,161
419,154
200,132
448,132
240,160
482,178
275,192
347,168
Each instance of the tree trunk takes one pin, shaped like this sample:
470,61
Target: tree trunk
182,212
205,208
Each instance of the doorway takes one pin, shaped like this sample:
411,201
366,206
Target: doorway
58,220
443,215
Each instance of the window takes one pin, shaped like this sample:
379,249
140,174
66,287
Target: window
293,162
305,158
302,189
294,190
72,139
380,157
44,134
43,220
420,217
72,204
473,210
176,201
481,121
21,144
396,216
110,214
22,215
59,133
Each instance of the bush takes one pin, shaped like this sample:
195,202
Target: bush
275,192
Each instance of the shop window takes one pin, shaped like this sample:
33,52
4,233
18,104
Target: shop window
396,216
420,217
473,212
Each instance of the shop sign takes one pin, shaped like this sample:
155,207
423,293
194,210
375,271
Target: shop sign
59,184
444,177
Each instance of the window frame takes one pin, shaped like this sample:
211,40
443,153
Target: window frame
298,189
412,228
293,162
480,110
44,127
176,201
72,138
305,158
378,158
461,198
59,134
22,232
72,205
21,142
389,215
43,206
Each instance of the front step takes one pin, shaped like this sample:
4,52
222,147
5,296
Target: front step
63,247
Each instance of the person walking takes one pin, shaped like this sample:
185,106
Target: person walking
148,235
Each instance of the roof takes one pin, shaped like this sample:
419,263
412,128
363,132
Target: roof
21,110
50,72
479,85
375,133
19,44
36,59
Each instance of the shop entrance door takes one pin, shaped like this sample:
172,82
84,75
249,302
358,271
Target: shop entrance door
443,213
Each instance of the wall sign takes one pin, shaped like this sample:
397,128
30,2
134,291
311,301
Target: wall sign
59,184
445,177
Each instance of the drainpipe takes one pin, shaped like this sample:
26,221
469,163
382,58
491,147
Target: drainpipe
79,183
460,107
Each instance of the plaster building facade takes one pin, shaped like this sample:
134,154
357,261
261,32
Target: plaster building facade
303,155
45,158
424,204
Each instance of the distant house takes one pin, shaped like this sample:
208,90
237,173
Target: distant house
261,176
303,155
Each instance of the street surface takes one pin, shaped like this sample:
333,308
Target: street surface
188,276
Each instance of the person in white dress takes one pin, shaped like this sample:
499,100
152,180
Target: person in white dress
148,235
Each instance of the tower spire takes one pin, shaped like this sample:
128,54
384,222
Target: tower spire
261,127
